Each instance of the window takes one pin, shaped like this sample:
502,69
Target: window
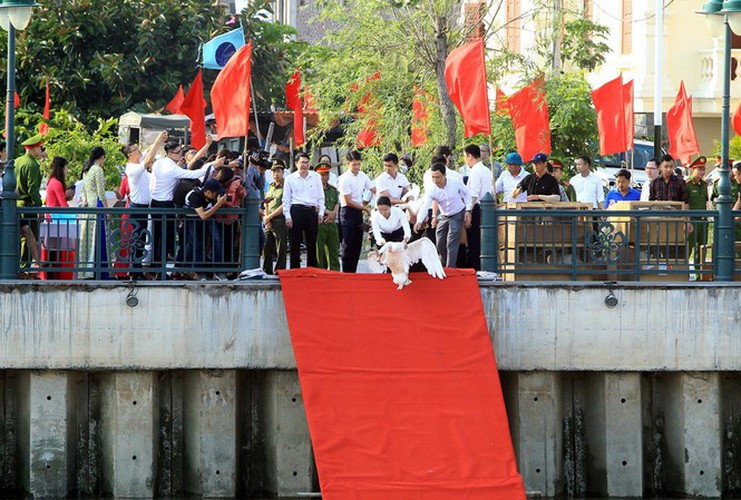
513,25
627,42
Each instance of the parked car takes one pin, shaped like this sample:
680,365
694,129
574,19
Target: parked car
607,166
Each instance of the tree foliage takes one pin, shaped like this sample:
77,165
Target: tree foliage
103,58
73,140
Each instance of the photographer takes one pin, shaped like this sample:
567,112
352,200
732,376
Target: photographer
204,201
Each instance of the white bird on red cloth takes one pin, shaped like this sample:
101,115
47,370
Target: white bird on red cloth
399,257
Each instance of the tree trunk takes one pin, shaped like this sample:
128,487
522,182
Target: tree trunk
447,107
557,35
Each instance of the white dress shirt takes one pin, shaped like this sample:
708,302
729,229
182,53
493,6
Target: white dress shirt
394,185
139,180
646,191
450,199
479,181
588,189
354,185
506,183
307,191
165,176
397,219
428,184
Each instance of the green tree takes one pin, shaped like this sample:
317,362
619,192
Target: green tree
71,139
103,58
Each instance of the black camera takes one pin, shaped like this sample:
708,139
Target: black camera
229,198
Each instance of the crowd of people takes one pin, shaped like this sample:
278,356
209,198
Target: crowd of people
310,210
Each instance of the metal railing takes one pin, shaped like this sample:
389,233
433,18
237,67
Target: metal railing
161,243
602,245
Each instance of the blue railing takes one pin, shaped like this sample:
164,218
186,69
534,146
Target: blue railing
531,244
597,245
97,243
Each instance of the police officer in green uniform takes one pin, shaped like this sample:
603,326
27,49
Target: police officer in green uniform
698,200
567,189
328,237
734,184
276,234
28,175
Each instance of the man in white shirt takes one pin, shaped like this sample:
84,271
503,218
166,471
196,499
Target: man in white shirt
588,186
652,171
510,178
389,223
303,207
454,206
479,184
165,176
352,185
391,182
137,172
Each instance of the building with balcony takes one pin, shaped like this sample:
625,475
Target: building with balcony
689,53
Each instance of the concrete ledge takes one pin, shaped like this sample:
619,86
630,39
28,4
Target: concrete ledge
544,326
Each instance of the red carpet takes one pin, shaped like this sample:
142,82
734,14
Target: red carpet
401,388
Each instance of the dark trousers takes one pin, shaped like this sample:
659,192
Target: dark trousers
473,235
163,227
352,238
305,227
139,236
397,236
275,246
194,242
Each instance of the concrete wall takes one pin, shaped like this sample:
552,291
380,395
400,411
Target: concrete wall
534,327
194,390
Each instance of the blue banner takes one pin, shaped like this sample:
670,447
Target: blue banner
218,51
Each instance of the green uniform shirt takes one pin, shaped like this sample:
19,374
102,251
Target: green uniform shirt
331,198
276,193
734,189
570,191
28,175
698,194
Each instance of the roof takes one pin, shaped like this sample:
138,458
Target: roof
153,121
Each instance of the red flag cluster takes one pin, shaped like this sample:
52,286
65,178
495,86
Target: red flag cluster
465,75
174,105
294,102
613,103
680,129
529,112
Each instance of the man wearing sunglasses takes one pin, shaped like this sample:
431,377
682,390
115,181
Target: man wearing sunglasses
165,176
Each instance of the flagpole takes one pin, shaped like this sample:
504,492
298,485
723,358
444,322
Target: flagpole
254,109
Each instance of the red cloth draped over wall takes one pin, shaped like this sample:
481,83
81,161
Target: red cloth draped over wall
401,388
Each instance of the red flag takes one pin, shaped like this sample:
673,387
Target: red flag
16,100
294,102
420,117
629,116
230,95
309,101
194,107
680,129
465,75
610,105
368,107
177,101
501,103
529,112
736,119
44,126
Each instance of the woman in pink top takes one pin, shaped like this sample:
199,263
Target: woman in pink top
60,241
56,189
